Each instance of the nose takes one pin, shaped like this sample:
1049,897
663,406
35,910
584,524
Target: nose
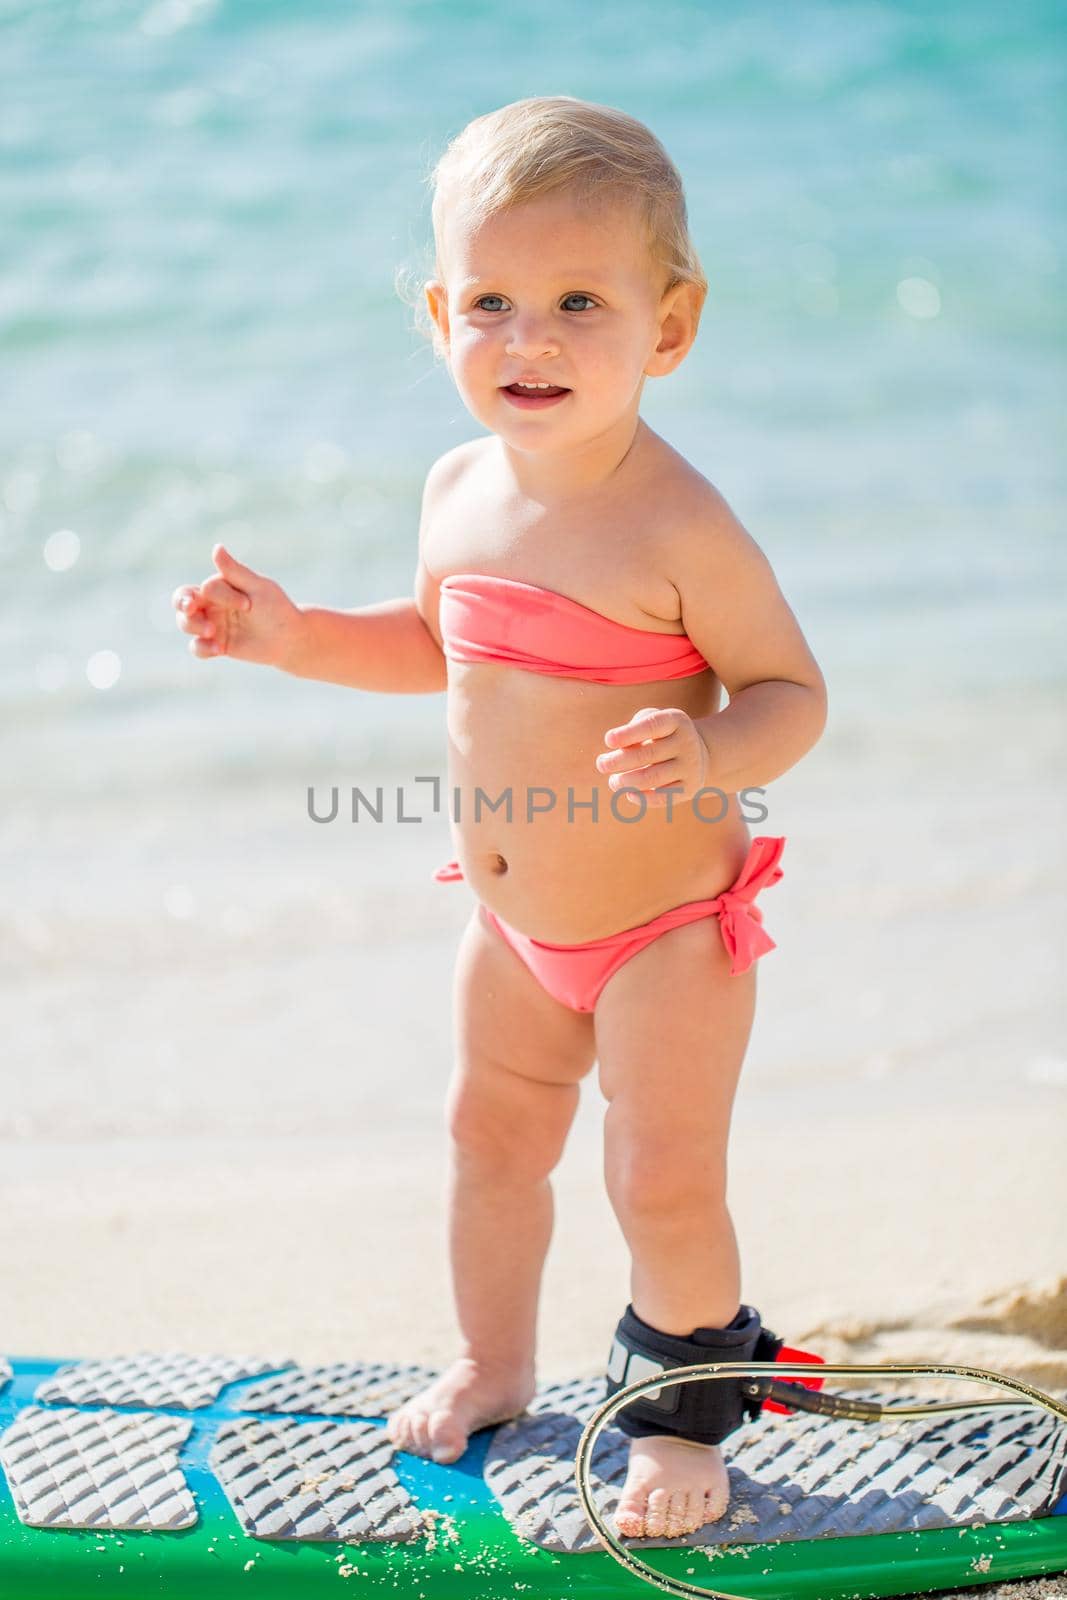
531,340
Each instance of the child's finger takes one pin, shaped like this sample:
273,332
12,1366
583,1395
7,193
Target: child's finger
218,592
197,622
230,567
184,597
203,648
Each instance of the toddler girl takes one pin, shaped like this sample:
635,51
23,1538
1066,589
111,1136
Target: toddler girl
585,595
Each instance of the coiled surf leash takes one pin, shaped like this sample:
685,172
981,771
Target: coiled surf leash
761,1384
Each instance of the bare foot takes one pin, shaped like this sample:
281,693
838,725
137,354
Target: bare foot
437,1422
673,1486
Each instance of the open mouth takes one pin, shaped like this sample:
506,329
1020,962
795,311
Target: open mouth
534,398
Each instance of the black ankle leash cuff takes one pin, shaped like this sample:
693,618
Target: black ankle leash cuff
704,1411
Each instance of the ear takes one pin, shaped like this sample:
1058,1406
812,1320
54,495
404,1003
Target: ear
437,301
677,316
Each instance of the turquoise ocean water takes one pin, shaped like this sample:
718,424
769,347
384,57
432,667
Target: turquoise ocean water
203,207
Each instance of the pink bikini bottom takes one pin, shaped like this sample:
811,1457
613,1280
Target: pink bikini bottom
575,974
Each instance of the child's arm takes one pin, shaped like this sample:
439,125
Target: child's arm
738,618
387,647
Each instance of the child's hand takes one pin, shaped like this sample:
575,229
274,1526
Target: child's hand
237,613
659,752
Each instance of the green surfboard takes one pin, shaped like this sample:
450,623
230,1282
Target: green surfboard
160,1475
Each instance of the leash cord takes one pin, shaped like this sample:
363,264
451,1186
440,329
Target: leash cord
796,1398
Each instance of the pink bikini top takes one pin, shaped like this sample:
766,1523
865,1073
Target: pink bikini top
489,619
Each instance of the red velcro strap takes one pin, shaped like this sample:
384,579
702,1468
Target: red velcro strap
787,1353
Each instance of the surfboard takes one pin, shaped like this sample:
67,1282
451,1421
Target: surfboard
179,1475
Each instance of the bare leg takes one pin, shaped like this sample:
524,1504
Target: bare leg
500,1225
520,1055
672,1028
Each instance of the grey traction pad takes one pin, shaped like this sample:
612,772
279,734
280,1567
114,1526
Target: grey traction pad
97,1469
794,1477
312,1480
344,1389
317,1475
149,1380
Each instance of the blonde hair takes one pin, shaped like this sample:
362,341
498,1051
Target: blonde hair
549,143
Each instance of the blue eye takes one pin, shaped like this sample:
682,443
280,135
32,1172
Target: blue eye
577,295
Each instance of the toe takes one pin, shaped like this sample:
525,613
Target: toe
715,1503
674,1523
656,1515
418,1434
443,1441
679,1517
695,1515
397,1431
630,1515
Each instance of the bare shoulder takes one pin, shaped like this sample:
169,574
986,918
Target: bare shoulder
449,469
685,528
705,538
444,476
730,600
